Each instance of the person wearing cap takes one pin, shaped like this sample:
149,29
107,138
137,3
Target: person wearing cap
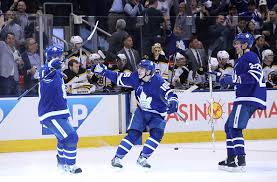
263,9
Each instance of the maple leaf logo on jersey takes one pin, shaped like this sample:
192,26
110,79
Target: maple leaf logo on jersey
144,101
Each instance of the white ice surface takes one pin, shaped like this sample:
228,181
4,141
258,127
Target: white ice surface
191,162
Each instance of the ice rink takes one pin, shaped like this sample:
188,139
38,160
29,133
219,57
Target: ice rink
191,162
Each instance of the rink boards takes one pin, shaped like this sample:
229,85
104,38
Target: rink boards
100,120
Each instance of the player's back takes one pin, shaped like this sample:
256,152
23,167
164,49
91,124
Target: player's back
252,89
52,101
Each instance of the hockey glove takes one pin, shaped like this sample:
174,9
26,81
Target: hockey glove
172,107
216,73
55,63
99,69
226,80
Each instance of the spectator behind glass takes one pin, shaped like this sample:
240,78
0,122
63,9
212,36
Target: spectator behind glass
116,12
165,6
253,13
10,25
220,31
251,28
202,21
232,17
0,9
133,9
152,29
185,23
21,15
263,9
10,61
241,28
32,63
270,27
115,41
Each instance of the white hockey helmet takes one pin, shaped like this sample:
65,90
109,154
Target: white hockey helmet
267,53
76,40
122,56
222,55
94,56
179,56
214,63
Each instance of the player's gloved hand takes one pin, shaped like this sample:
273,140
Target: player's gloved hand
172,107
226,80
99,69
216,73
55,63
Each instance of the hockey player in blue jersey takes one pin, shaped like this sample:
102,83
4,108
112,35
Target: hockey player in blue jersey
250,90
150,91
53,111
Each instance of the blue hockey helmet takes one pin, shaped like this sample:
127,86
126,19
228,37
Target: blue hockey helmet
148,65
53,51
245,38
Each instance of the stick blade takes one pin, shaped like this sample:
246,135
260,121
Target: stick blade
94,29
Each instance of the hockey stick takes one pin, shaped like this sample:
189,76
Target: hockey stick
167,105
210,51
73,52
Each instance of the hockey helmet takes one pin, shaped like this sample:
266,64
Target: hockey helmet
148,65
76,40
245,38
53,51
214,63
179,56
267,53
222,55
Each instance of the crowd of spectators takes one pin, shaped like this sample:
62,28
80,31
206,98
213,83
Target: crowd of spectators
175,34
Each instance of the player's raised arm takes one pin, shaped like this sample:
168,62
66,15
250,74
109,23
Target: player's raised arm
119,78
53,61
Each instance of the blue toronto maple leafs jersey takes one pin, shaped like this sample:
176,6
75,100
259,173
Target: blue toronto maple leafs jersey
252,88
148,94
52,95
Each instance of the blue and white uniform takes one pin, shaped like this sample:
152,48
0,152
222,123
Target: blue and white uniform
53,111
152,109
250,90
52,95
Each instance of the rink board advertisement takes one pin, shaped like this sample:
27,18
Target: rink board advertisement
91,116
195,108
